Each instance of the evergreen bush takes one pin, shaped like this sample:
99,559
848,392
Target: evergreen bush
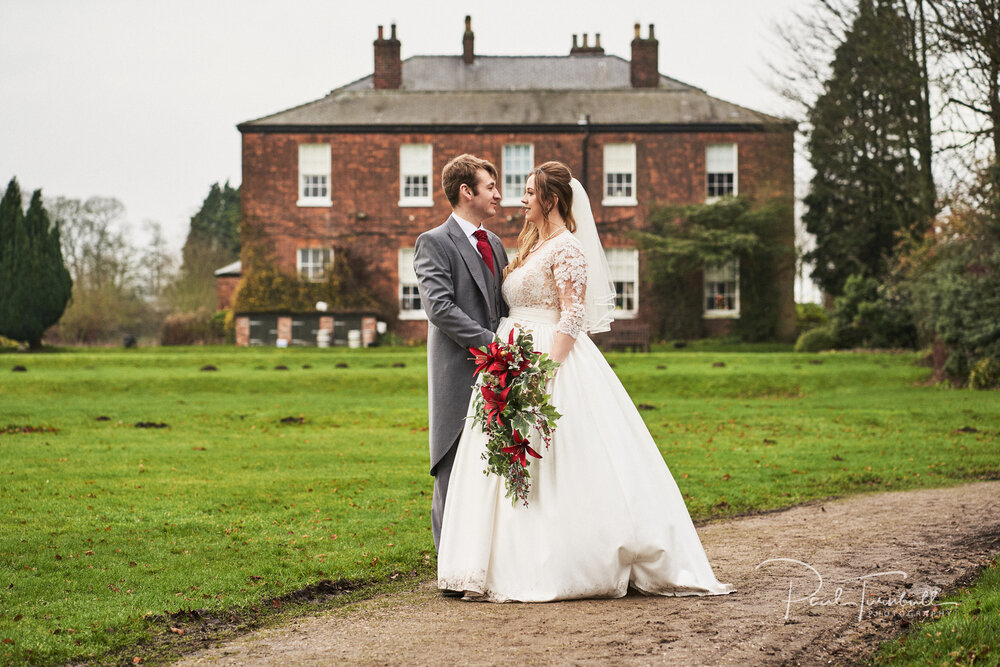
869,314
34,283
816,339
809,316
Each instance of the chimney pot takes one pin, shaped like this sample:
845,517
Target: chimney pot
651,35
597,37
392,34
637,31
380,32
585,40
468,43
574,43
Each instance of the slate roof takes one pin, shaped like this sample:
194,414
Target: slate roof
514,92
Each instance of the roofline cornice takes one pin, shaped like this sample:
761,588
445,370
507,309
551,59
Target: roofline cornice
646,128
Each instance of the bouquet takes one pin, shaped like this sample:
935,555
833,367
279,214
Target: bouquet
509,404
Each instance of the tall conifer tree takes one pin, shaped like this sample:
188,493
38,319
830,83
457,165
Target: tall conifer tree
868,146
37,285
213,242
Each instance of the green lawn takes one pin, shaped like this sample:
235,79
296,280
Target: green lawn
962,635
105,525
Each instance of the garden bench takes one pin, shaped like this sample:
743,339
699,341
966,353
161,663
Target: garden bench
626,334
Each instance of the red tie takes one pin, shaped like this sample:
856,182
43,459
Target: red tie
484,248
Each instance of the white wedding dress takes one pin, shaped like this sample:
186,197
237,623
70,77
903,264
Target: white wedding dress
603,511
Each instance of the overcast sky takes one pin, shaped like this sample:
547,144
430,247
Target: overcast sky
139,100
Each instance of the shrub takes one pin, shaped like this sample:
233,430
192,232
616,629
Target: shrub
985,374
809,316
952,281
229,326
193,328
869,314
816,339
217,324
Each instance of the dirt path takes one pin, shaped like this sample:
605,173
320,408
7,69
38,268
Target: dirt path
936,537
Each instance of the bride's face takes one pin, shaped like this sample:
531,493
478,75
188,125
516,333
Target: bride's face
532,205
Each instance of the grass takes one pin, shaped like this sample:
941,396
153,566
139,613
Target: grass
107,528
965,636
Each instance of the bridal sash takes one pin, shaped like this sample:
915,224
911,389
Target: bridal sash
525,315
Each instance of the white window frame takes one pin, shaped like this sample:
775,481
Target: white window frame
314,174
417,161
619,164
624,266
721,159
516,170
311,264
712,276
408,287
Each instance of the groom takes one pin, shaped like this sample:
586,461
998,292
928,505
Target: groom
459,267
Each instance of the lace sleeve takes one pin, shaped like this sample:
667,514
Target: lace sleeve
569,268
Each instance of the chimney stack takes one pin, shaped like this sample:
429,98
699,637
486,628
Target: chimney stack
645,60
468,55
587,49
388,66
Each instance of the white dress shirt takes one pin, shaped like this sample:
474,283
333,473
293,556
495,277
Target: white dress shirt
469,230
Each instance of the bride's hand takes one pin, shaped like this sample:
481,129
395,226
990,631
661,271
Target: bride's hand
561,347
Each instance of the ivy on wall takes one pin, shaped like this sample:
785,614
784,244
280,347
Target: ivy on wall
266,288
681,240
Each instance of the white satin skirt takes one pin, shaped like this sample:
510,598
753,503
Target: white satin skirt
603,514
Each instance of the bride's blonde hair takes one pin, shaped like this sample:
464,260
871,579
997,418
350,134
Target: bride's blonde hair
552,182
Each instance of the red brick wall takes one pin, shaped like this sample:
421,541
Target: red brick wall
243,331
224,288
365,215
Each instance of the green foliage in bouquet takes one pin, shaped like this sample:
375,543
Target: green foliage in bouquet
512,408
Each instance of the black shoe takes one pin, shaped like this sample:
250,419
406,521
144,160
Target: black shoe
452,594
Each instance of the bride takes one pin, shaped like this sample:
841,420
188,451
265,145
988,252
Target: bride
603,511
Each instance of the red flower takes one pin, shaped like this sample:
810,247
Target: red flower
485,359
492,361
495,403
519,450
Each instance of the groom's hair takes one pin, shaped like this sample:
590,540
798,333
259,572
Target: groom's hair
462,170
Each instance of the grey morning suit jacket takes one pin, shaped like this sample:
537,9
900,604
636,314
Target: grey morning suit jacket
464,306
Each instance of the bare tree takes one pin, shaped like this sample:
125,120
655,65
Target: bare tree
968,33
808,39
109,273
157,263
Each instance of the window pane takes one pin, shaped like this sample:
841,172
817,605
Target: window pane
624,266
721,285
517,165
720,158
409,295
720,185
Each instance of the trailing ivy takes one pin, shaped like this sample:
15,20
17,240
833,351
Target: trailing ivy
681,240
266,288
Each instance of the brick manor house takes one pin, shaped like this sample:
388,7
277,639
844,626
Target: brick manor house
361,167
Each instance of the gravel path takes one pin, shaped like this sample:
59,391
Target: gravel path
936,537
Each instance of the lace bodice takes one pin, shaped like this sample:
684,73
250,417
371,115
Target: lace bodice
554,277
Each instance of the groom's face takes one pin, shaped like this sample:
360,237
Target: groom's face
486,198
